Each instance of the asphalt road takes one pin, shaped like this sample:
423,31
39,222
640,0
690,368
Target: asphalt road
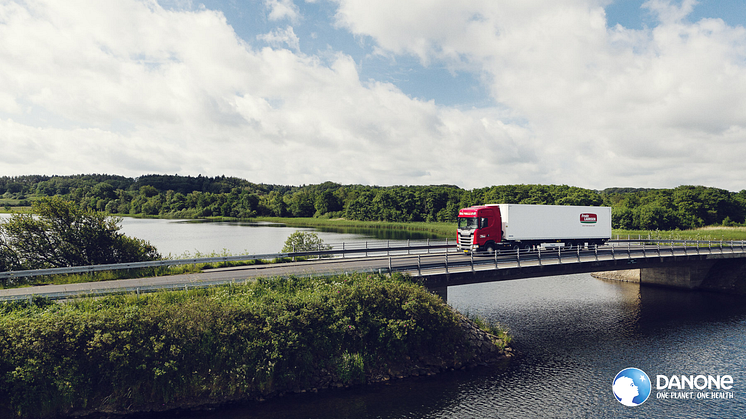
426,263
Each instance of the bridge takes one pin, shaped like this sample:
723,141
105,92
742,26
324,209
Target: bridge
708,265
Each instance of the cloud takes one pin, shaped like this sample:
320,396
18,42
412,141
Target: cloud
277,38
133,88
282,9
181,93
666,100
669,13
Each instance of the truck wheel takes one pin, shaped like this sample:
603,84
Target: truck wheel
490,248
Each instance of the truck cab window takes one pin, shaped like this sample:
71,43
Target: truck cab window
484,222
468,223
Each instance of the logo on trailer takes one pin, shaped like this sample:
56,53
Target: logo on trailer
588,218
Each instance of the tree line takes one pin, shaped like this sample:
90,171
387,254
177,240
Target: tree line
177,196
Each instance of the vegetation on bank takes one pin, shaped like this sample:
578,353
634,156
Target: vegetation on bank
128,353
714,233
61,234
683,207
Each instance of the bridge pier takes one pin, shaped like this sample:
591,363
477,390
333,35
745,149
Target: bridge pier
720,275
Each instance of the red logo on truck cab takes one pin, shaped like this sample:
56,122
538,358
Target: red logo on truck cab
588,218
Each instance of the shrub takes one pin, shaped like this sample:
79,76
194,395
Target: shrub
62,234
128,352
304,241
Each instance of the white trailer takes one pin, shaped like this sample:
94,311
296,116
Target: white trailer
495,226
554,222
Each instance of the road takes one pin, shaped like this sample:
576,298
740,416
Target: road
416,265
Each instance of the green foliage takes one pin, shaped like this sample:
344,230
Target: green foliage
62,234
503,337
124,352
174,196
304,241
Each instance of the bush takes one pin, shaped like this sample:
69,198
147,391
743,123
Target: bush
61,234
124,352
304,241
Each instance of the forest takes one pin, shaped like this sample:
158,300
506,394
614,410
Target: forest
174,196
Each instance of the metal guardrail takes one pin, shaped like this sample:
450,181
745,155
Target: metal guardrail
614,250
419,260
362,248
332,249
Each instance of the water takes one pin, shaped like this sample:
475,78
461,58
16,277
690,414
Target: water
574,334
181,237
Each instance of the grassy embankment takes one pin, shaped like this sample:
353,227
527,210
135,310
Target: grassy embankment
714,233
180,348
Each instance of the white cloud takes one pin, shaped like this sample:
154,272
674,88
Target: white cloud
182,94
282,9
666,101
277,38
140,89
669,13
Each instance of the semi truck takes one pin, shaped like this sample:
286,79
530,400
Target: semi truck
519,226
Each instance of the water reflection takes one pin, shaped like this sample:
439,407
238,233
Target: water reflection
382,234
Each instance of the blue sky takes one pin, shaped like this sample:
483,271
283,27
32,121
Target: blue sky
591,93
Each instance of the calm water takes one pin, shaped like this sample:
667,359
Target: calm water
179,237
574,333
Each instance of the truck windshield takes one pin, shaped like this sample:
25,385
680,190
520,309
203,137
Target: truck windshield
468,223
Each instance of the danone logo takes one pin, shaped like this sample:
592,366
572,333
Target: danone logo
631,386
588,218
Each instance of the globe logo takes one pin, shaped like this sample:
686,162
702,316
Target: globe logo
631,386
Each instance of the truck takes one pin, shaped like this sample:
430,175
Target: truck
520,226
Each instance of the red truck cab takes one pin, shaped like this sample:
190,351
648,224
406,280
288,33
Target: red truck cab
479,228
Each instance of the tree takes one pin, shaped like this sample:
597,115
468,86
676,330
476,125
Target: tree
304,241
61,234
302,204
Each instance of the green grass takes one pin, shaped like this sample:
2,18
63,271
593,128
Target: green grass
167,349
136,273
715,233
13,208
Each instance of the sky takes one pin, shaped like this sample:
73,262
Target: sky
474,93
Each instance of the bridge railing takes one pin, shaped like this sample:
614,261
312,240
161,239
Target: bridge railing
436,259
342,250
417,249
614,250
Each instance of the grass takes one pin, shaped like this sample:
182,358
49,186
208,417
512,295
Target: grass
714,233
174,348
13,208
136,273
495,329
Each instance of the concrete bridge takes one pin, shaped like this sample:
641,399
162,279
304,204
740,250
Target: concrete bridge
692,265
716,266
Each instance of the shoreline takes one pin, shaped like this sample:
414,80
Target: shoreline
477,339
